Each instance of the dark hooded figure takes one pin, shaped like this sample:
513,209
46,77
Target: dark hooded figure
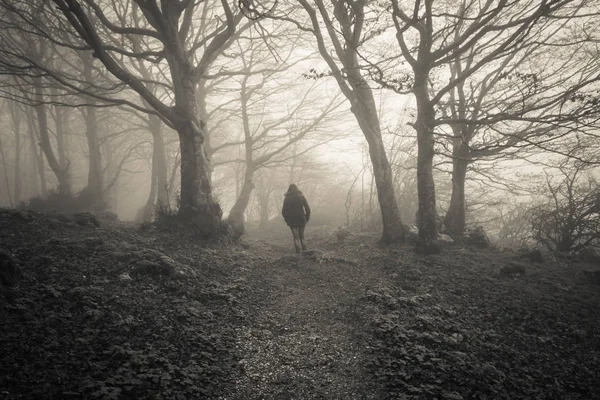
296,213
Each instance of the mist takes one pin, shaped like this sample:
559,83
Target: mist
415,133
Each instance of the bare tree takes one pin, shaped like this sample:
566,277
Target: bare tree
272,126
522,97
344,24
570,219
174,38
431,35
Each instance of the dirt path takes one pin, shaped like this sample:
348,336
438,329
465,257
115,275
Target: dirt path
307,338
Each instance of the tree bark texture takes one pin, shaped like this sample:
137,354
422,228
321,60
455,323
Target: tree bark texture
455,219
38,178
197,202
159,195
365,112
95,185
236,215
427,214
64,183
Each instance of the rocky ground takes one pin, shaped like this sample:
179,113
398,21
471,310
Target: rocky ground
115,311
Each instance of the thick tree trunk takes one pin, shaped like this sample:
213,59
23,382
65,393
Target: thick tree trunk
64,183
366,115
236,215
197,203
427,214
455,219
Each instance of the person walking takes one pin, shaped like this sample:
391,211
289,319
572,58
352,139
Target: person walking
296,214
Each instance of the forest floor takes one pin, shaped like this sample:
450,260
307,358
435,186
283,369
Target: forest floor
118,311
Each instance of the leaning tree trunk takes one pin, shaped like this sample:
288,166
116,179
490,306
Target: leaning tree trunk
236,215
427,215
366,115
455,219
64,183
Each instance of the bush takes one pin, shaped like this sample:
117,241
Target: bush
54,201
85,200
168,218
89,200
570,220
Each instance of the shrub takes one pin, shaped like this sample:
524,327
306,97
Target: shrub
570,220
86,200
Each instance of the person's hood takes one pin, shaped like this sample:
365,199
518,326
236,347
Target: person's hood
298,193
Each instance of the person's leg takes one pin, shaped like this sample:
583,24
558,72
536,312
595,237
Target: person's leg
296,235
301,234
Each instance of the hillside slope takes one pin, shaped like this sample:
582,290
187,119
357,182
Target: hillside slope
114,311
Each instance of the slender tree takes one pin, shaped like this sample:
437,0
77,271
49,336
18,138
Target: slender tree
169,36
345,30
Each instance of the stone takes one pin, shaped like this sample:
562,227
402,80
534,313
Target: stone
443,238
125,277
589,255
86,219
10,272
513,268
593,276
152,268
478,238
534,255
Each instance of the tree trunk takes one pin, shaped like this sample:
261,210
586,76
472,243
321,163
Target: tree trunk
236,215
6,178
366,115
263,206
197,203
455,219
64,183
94,184
427,215
59,123
148,214
38,160
16,123
112,193
159,195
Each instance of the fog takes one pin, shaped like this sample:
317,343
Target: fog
299,199
102,111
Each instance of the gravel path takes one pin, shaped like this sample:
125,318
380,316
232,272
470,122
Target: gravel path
307,338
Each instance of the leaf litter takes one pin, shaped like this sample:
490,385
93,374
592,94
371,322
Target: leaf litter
116,312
